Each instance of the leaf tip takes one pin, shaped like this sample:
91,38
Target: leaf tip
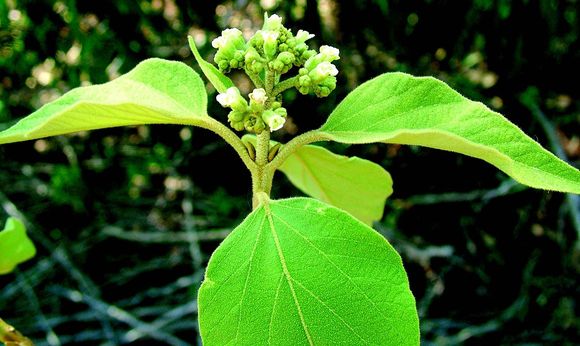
193,47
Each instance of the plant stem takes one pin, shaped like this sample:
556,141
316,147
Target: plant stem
262,148
262,177
264,174
258,83
298,141
284,85
270,81
229,136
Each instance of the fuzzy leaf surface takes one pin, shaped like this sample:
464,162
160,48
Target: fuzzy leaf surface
155,92
352,184
219,80
400,108
15,246
300,272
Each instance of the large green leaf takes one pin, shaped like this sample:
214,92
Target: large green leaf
219,81
353,184
155,92
300,272
399,108
15,246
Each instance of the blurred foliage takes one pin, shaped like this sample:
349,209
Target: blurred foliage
125,219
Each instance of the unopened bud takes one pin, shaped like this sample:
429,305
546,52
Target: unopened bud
281,111
272,23
231,47
254,62
232,98
258,96
323,70
329,53
286,58
236,120
229,97
236,116
325,87
270,43
303,35
232,37
304,81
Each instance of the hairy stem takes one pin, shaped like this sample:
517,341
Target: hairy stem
258,83
270,81
262,148
262,178
284,85
229,136
297,142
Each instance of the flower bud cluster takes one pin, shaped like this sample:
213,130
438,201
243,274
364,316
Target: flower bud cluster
318,74
272,51
255,116
231,47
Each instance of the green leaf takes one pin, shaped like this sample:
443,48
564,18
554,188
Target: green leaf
300,272
399,108
15,246
155,92
219,81
353,184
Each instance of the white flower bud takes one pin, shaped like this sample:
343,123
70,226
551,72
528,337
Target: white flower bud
274,22
270,37
273,120
258,96
329,53
325,69
270,43
228,35
303,35
232,33
229,97
219,42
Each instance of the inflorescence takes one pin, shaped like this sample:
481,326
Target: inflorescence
265,57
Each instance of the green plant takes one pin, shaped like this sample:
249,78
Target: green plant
302,270
15,246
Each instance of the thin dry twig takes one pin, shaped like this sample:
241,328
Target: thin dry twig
166,237
11,337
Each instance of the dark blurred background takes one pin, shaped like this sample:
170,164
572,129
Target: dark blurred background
125,219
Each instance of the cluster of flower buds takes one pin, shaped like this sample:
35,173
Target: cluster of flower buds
272,51
318,74
231,48
254,116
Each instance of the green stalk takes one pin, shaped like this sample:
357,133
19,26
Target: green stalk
297,142
270,81
284,85
229,136
258,83
262,177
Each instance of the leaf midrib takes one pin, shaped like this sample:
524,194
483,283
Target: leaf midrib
337,268
287,274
